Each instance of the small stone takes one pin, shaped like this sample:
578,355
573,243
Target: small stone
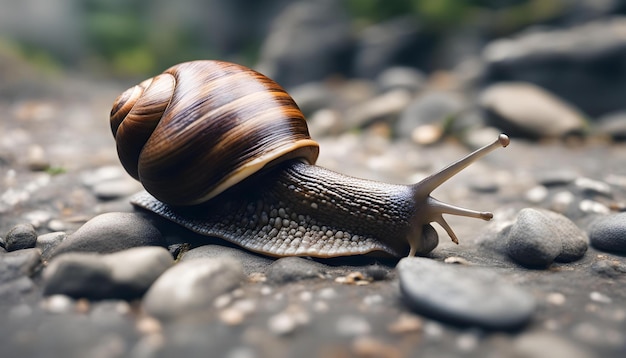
480,299
111,232
282,323
427,134
456,260
190,287
353,278
430,112
555,298
352,326
547,345
291,269
538,234
537,194
573,239
251,262
406,323
58,304
609,268
376,272
77,275
398,77
557,177
599,297
48,242
371,347
148,325
102,174
609,233
17,264
524,109
125,274
593,207
117,188
533,241
593,187
36,158
21,236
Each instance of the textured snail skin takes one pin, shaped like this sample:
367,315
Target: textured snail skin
274,202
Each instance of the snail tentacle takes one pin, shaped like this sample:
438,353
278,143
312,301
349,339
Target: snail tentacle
432,210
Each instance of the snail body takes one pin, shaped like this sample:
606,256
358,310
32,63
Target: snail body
224,151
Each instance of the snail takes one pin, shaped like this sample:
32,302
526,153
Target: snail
225,152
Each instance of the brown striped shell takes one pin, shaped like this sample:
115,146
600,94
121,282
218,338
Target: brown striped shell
200,127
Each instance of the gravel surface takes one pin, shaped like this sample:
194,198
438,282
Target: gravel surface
63,192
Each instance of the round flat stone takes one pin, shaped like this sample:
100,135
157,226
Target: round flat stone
189,288
125,274
609,233
251,262
463,295
291,269
112,232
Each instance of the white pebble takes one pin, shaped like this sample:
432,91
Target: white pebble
58,304
537,194
349,325
599,297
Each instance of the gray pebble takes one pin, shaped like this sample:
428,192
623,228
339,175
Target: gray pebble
190,287
21,236
398,77
609,268
609,233
290,269
48,242
524,109
573,239
547,345
464,295
591,187
17,264
125,274
79,275
251,262
111,232
557,177
117,188
533,240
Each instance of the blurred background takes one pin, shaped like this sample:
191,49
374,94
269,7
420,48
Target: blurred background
573,49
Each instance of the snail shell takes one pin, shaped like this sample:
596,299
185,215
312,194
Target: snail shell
224,151
169,128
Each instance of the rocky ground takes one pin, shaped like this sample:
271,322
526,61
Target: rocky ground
84,274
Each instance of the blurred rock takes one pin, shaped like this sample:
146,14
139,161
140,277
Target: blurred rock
429,109
399,41
613,125
21,236
609,233
308,41
112,232
582,64
523,109
189,288
401,77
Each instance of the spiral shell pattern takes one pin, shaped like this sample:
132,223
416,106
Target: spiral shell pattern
201,127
